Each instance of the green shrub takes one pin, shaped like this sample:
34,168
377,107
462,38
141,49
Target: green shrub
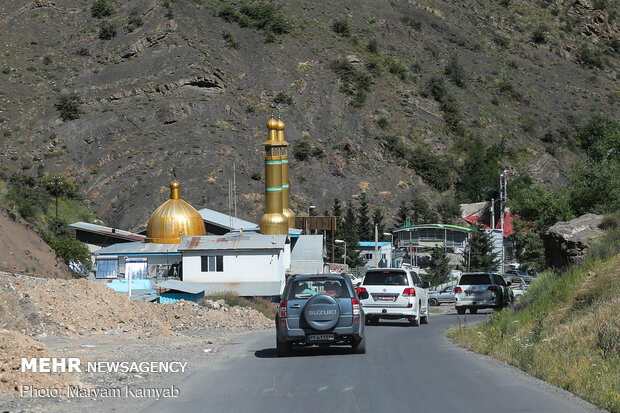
261,16
383,123
101,9
283,98
69,107
397,67
455,71
107,30
540,35
167,4
231,42
354,82
302,150
342,28
409,21
82,51
372,46
590,58
74,253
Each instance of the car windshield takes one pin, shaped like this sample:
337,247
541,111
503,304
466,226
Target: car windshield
385,278
301,289
475,279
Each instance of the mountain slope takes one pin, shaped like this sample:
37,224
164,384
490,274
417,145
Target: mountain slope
184,88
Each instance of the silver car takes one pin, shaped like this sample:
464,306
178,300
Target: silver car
480,290
445,295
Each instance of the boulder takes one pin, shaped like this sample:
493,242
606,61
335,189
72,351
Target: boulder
566,242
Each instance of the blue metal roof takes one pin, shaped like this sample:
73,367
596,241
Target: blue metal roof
372,244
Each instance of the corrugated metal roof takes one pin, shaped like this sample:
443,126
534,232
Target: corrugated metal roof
110,232
183,286
131,248
224,220
247,241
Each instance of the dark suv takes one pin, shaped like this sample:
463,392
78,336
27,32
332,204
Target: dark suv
477,290
320,309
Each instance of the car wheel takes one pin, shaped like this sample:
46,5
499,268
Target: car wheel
424,319
283,349
460,310
415,321
473,310
359,346
433,302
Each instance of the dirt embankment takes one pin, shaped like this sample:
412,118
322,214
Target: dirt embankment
34,308
23,251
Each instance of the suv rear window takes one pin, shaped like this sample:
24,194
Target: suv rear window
301,289
475,279
385,278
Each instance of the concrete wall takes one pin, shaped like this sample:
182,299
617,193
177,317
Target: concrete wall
248,273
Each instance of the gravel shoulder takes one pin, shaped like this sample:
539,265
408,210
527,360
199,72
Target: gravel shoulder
194,349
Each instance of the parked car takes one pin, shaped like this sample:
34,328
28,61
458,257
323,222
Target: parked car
319,309
480,290
354,280
519,285
445,295
518,273
393,293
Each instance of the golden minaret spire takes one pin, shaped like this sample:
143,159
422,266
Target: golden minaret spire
285,182
274,221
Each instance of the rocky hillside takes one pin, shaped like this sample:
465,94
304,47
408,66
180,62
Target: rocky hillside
120,95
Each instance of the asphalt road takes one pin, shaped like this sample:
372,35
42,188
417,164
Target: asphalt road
406,369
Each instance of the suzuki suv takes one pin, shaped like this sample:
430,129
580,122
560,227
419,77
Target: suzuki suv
321,309
394,293
479,290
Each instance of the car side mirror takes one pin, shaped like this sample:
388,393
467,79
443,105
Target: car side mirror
275,299
363,295
426,284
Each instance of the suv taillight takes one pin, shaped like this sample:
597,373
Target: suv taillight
492,288
361,290
283,310
356,309
409,292
458,289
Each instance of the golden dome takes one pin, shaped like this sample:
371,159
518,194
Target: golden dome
272,124
174,218
280,125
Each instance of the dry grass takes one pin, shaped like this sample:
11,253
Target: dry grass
260,304
567,332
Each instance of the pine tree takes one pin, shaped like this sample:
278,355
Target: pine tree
480,256
439,269
421,213
377,219
350,236
365,229
402,215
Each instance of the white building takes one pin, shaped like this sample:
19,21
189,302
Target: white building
250,264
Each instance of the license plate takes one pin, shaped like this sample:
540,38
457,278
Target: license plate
473,292
321,337
385,298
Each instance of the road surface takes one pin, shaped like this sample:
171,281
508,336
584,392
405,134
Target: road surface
406,369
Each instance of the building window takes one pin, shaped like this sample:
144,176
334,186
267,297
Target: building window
211,263
369,255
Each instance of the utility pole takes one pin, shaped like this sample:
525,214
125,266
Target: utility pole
502,200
